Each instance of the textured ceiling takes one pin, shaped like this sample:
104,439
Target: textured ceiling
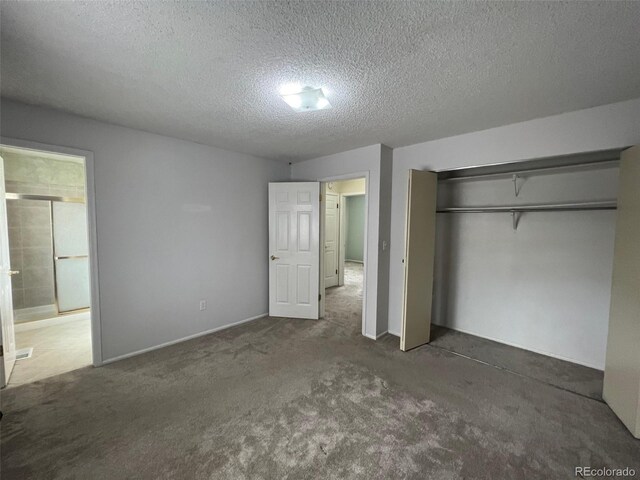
395,72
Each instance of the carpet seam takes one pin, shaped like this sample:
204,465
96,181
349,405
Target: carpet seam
497,367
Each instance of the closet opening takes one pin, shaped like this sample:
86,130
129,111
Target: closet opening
523,258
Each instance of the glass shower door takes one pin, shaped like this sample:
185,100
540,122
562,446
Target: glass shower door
71,255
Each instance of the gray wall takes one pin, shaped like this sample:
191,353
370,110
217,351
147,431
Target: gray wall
384,244
355,206
177,222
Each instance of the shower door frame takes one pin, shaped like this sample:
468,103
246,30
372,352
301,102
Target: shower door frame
51,199
89,200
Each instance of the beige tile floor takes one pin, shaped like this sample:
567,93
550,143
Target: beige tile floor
56,349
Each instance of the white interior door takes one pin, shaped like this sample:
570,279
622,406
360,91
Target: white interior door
294,249
419,259
331,238
7,338
71,253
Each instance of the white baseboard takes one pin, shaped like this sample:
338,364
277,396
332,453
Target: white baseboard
376,337
49,322
354,261
397,334
183,339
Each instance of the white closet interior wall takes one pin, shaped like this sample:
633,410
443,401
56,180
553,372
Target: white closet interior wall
545,286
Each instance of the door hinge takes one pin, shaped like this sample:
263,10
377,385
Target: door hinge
319,296
320,197
337,205
336,270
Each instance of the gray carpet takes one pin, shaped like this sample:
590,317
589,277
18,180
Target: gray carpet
569,376
343,305
297,399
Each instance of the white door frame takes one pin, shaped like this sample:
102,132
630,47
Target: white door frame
96,336
7,330
342,235
323,182
338,233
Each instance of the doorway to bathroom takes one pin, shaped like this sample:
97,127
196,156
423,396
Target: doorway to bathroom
48,239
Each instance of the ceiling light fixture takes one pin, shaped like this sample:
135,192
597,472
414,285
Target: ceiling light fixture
305,99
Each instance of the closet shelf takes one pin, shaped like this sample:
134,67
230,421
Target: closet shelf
556,207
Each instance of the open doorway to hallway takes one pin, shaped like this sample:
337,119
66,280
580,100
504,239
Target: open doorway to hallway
46,218
344,245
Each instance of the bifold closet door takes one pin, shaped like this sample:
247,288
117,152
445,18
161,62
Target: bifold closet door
419,259
622,367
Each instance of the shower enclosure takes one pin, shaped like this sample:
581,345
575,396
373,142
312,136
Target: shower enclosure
66,270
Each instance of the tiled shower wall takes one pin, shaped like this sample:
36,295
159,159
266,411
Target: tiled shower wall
30,223
31,253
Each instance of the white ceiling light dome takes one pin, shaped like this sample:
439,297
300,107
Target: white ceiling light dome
304,99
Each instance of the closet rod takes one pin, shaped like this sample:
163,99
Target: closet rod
558,207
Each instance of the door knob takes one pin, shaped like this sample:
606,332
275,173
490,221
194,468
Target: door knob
273,257
13,272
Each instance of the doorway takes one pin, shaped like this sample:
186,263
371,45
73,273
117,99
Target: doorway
48,240
344,229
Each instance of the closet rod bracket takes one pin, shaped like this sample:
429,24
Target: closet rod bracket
515,178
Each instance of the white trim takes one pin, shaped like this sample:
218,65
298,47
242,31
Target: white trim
90,197
49,322
352,176
183,339
322,289
393,333
377,336
353,261
342,236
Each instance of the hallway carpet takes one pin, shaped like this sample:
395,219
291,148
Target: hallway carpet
343,305
303,399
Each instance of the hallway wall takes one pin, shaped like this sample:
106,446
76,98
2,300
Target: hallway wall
355,211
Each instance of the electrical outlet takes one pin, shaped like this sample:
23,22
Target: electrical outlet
203,305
